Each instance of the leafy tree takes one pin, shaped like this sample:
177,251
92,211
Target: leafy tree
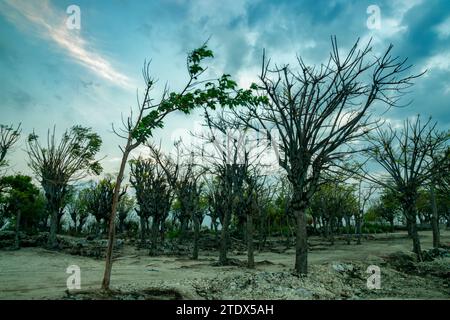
151,115
389,206
57,165
21,201
98,201
77,209
333,202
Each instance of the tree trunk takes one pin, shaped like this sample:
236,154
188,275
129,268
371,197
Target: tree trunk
154,242
52,242
331,230
408,228
358,228
163,231
348,227
17,236
261,234
301,245
196,237
250,253
143,229
112,228
184,227
434,218
224,239
416,241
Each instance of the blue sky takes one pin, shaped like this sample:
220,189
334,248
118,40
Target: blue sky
51,75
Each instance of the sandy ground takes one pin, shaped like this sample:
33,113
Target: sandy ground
35,273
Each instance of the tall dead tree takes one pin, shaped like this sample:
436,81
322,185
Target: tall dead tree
406,156
318,113
9,135
58,164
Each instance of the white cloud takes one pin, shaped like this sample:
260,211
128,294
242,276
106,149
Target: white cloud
41,17
440,61
443,29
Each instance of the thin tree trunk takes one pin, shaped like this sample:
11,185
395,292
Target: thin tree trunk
224,239
331,231
112,230
358,228
17,236
348,227
250,251
196,237
434,218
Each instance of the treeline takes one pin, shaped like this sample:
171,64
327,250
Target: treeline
320,122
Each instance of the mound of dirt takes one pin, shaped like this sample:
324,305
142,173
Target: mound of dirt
94,248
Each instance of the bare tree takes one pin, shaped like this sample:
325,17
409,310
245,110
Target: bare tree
59,164
407,158
183,175
364,194
234,160
8,137
319,112
154,196
440,175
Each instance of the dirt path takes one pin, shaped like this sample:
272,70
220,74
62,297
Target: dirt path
34,273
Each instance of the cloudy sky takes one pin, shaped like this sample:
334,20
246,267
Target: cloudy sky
54,75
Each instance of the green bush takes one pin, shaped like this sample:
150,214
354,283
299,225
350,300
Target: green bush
373,227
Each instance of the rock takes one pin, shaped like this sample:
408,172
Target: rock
342,267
